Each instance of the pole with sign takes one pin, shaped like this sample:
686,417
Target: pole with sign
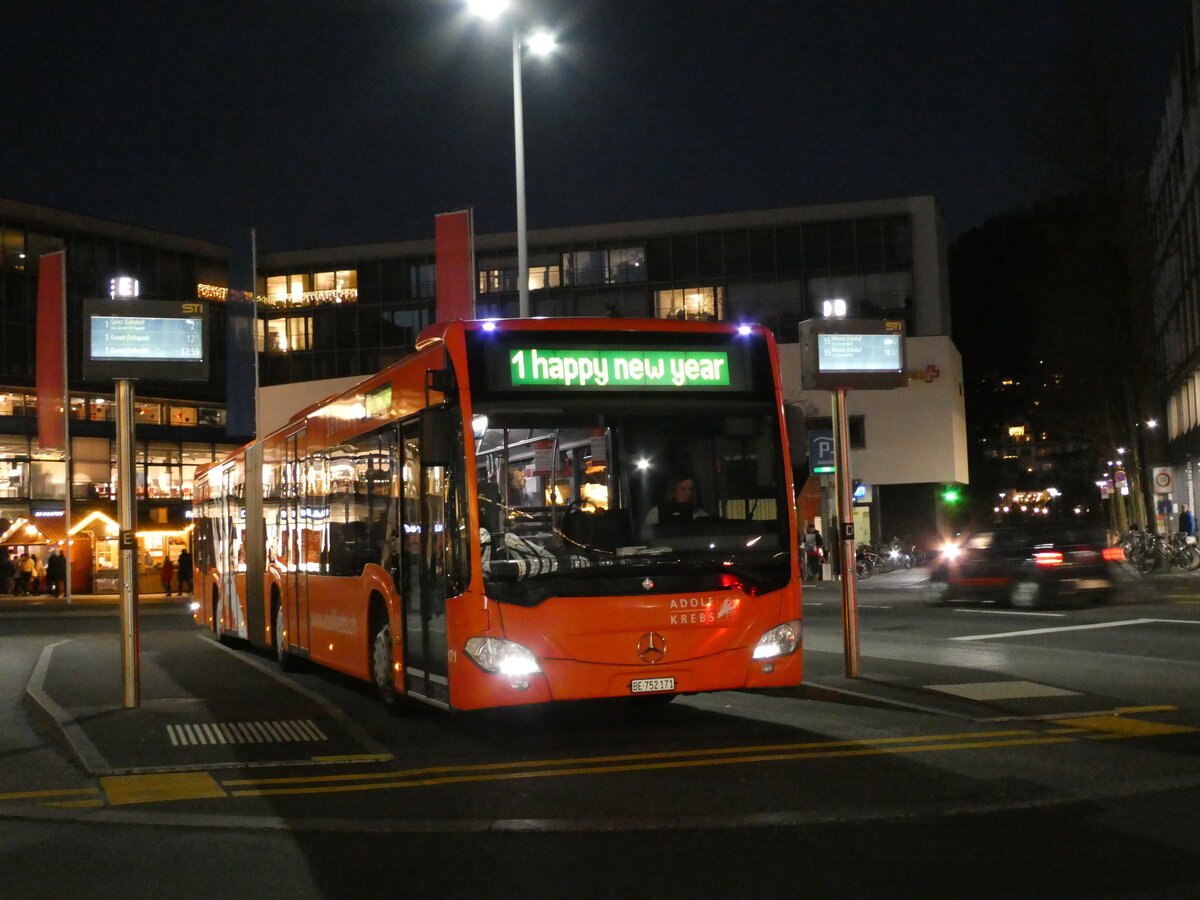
127,522
845,525
838,355
126,338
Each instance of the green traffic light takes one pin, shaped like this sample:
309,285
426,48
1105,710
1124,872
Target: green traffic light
951,495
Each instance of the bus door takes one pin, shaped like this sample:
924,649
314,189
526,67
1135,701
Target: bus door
297,540
422,530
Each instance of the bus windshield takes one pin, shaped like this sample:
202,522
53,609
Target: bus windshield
580,496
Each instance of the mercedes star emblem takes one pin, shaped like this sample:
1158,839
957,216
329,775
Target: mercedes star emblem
652,647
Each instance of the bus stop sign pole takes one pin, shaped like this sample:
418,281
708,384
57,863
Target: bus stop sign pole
845,525
127,522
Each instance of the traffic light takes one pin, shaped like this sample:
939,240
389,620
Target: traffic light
951,494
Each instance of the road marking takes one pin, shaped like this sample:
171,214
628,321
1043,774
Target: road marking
1118,725
123,789
1010,612
32,795
214,733
859,749
1002,690
1005,634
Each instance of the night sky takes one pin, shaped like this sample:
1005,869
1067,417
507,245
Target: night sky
355,121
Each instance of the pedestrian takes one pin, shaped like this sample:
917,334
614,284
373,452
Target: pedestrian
56,573
7,571
185,572
37,572
1187,523
813,545
24,574
167,573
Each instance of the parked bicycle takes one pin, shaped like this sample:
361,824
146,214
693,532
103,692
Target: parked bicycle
1148,550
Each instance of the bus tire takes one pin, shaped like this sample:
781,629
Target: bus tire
383,662
287,662
217,627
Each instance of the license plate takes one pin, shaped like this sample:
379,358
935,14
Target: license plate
1091,584
651,685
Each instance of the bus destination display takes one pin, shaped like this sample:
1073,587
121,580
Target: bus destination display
625,368
145,337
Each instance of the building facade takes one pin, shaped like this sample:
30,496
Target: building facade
1174,197
327,317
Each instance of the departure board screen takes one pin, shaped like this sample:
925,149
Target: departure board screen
147,337
158,340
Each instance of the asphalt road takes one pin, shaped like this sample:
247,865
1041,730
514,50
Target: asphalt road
981,753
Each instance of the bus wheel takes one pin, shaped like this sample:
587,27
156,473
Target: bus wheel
287,662
382,663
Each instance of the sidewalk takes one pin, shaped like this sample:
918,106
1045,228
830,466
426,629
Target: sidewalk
200,705
46,603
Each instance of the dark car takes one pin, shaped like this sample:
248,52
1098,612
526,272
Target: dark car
1026,566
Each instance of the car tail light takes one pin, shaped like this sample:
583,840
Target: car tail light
1048,559
1113,554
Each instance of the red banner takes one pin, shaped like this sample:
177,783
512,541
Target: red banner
51,364
455,266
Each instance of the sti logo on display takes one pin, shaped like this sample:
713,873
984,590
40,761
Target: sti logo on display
631,368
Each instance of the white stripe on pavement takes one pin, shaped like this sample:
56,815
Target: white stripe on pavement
1005,634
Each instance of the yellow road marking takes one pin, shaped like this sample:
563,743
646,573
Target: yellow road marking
1121,727
30,795
592,760
121,789
76,804
849,751
356,757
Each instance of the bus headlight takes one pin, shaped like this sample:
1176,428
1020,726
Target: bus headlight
780,640
497,656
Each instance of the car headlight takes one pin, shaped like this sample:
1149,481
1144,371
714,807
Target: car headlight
780,640
951,551
498,656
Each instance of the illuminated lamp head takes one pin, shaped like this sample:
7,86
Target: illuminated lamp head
744,330
489,325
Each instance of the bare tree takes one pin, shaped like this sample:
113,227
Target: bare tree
1092,294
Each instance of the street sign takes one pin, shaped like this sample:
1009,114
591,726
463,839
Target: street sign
1162,480
820,452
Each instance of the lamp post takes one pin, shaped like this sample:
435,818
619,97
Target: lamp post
540,43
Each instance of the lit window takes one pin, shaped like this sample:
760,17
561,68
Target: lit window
703,304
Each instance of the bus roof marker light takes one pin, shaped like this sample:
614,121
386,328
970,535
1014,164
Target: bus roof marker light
489,325
744,330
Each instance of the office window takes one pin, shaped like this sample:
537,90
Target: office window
422,281
284,335
626,264
705,304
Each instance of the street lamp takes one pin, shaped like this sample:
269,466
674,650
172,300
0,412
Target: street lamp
539,43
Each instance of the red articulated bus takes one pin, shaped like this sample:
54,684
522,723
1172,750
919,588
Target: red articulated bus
522,511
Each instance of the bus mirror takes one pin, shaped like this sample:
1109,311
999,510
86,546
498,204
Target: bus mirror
441,380
438,427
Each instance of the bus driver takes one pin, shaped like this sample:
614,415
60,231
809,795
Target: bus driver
678,504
